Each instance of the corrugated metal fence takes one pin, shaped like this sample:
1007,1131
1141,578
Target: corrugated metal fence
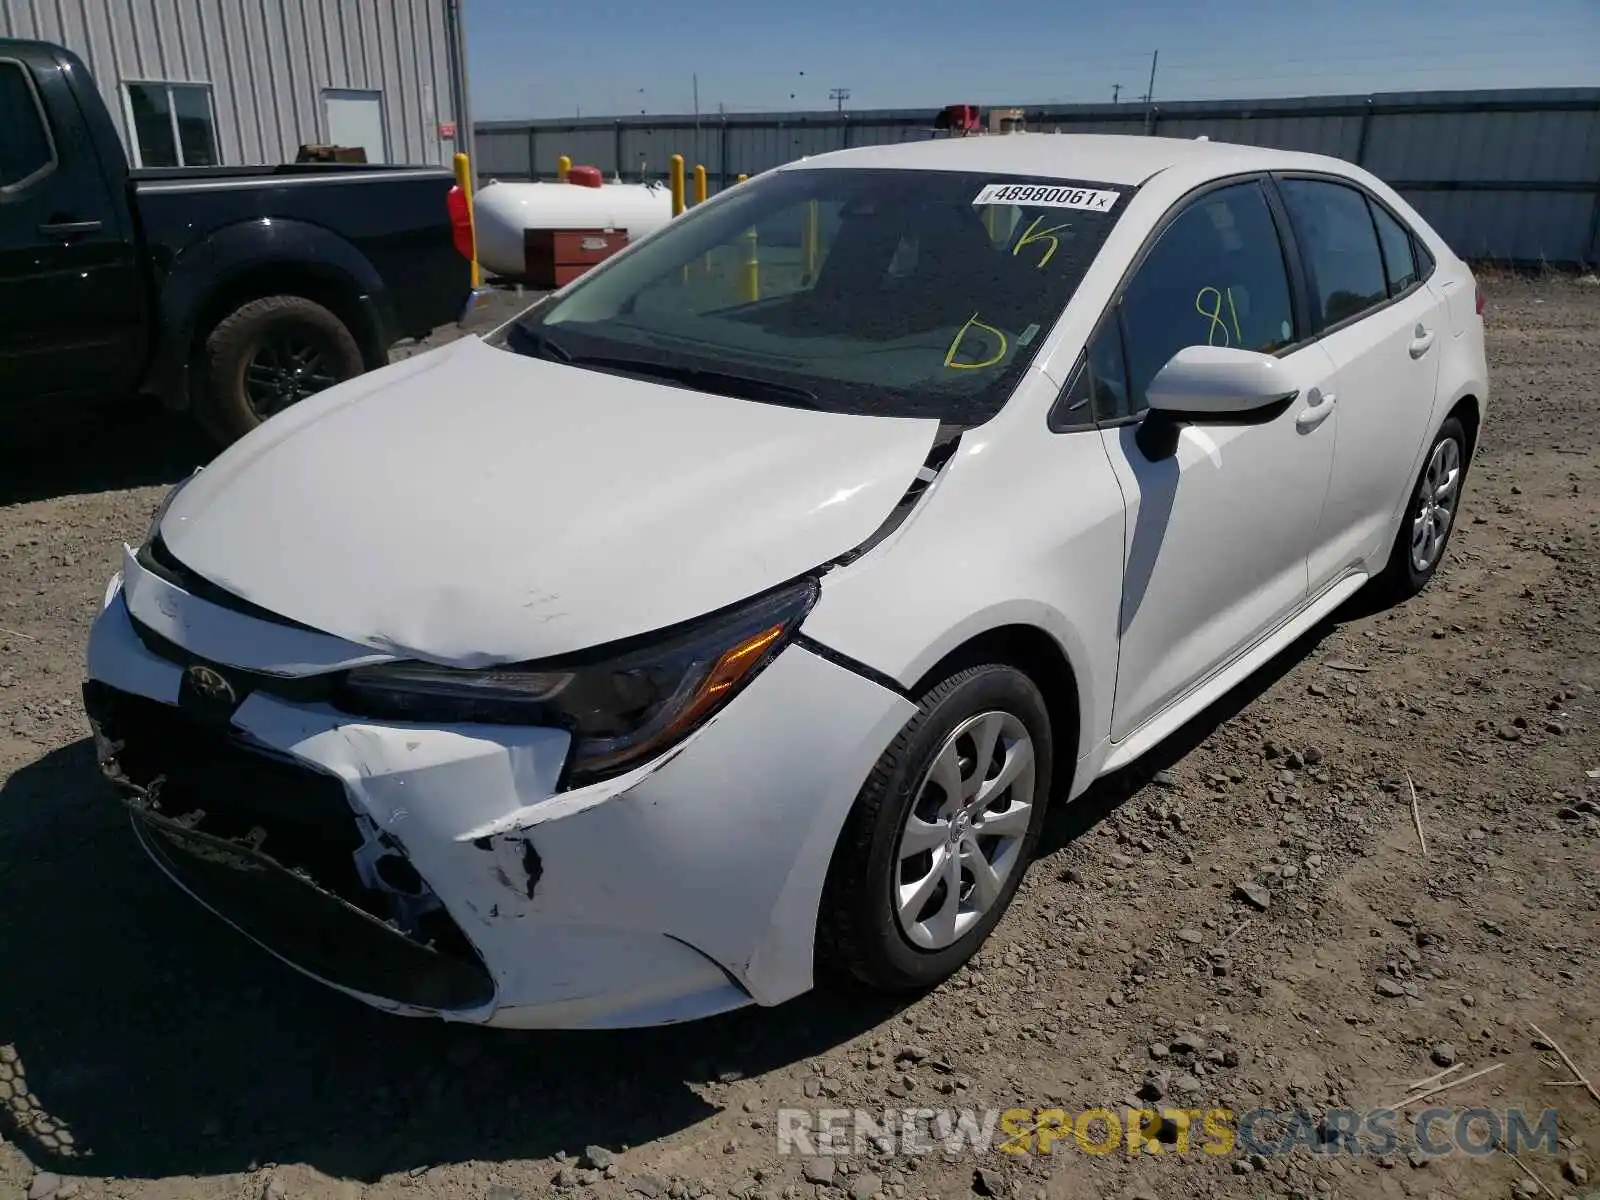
1507,176
267,65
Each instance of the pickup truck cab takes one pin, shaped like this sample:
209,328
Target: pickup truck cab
228,292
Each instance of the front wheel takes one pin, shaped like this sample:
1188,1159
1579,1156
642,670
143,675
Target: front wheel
1430,516
941,833
267,355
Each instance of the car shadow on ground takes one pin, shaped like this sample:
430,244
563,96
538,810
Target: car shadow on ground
100,449
166,1044
162,1043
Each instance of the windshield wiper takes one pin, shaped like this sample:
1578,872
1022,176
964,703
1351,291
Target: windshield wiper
535,343
726,383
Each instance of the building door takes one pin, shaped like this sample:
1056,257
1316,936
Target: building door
356,119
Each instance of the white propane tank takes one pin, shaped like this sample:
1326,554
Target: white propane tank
503,211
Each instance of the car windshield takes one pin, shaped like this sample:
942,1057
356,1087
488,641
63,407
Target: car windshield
886,292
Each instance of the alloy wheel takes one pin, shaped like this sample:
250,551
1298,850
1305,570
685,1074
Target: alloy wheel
284,370
1437,495
964,835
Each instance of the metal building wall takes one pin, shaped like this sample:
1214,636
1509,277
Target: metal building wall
1510,176
267,62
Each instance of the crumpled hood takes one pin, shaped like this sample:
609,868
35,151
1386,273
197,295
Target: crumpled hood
472,506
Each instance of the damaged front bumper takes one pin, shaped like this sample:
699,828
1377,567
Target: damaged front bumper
438,871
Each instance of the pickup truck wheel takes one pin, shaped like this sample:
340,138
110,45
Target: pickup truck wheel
267,355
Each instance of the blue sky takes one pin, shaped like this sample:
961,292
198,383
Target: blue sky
533,58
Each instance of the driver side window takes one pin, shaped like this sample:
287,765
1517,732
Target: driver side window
1215,277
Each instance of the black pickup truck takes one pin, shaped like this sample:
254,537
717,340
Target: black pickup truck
227,292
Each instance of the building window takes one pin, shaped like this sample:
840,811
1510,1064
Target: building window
173,124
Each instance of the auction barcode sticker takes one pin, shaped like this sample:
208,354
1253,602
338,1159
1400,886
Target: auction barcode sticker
1044,195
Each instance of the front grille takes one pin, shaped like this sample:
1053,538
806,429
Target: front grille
200,766
307,689
269,844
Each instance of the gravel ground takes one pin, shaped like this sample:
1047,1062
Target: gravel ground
1244,919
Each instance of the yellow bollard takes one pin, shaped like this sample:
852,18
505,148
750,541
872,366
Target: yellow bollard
810,237
752,268
563,165
464,181
701,191
742,178
677,184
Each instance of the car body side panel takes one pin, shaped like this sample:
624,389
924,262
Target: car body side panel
394,219
1386,415
1025,528
1217,542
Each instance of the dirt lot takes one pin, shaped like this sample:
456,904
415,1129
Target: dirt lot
146,1051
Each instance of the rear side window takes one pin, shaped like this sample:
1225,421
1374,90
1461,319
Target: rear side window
1398,263
25,150
1335,231
1215,277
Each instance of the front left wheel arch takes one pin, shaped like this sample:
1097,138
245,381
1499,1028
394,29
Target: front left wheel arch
1038,655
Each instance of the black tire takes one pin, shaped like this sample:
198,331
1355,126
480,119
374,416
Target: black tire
252,356
1401,578
859,936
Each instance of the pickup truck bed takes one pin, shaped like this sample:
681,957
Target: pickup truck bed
229,292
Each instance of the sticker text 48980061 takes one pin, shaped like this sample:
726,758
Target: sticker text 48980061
1046,195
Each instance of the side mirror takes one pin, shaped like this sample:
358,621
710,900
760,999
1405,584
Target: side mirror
1217,382
1212,385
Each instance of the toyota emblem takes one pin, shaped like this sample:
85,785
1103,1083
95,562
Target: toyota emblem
211,685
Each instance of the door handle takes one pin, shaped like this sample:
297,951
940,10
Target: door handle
1421,341
1316,413
70,228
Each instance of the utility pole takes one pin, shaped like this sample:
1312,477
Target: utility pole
1150,94
696,101
1116,90
839,95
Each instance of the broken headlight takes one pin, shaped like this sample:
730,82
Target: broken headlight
622,703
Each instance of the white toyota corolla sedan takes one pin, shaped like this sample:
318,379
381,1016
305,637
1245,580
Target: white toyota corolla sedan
730,616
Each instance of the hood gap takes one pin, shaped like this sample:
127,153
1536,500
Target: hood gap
933,465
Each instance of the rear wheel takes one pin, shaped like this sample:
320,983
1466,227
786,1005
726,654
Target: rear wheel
267,355
941,833
1430,516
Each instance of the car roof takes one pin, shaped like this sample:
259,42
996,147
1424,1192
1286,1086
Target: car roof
1090,157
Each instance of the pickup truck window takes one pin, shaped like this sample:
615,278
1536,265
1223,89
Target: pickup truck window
173,124
25,149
